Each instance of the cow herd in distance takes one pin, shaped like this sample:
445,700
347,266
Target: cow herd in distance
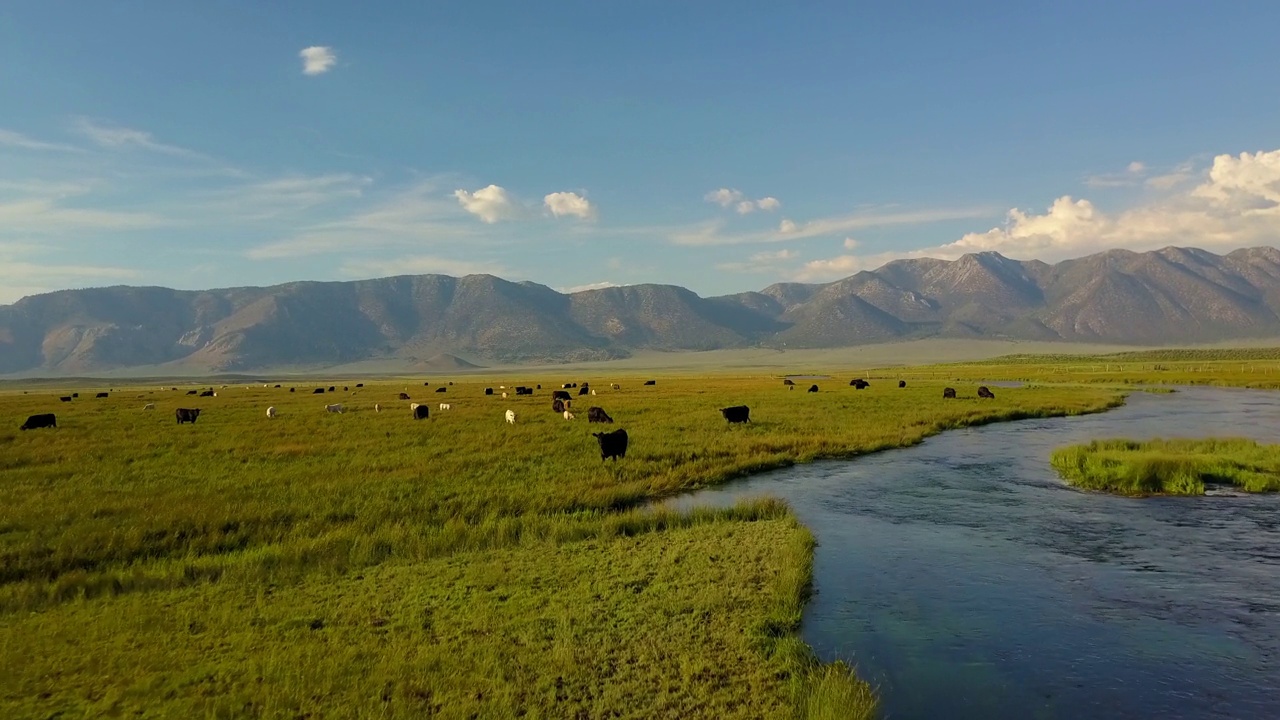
613,444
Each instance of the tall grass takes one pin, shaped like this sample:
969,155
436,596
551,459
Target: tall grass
1170,467
120,513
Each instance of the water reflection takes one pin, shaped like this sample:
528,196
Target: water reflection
967,582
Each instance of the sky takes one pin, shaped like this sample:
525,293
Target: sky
715,145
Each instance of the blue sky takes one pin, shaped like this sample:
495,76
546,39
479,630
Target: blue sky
720,146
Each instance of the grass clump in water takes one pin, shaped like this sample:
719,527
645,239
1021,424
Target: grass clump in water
1170,467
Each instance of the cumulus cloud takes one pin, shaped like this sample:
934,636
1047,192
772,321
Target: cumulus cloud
1236,204
724,197
569,203
317,59
768,204
745,207
787,227
850,244
490,204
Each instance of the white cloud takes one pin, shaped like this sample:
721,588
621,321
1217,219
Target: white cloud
421,265
115,137
266,199
745,207
711,233
317,59
768,204
1237,204
490,204
589,286
850,244
1136,168
569,203
1132,175
44,216
724,197
9,138
761,262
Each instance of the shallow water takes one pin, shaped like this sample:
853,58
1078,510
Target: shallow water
966,581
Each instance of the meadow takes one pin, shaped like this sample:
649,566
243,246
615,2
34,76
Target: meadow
1170,467
365,564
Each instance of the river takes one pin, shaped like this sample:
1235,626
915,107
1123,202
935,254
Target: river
965,580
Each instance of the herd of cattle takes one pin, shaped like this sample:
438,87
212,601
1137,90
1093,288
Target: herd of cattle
613,445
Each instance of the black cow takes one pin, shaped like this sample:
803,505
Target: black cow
813,388
404,396
859,384
557,405
425,384
278,387
40,421
331,389
187,415
65,398
488,391
420,412
101,395
597,414
985,392
441,389
75,395
612,444
566,386
539,386
293,389
650,382
788,381
560,395
207,393
192,392
584,390
902,383
318,391
737,414
522,390
357,385
948,393
344,388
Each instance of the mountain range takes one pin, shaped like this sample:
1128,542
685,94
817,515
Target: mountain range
1169,296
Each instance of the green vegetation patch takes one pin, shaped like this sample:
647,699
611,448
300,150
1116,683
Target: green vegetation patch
1170,467
692,621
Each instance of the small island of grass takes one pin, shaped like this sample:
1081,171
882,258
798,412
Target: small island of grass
1170,467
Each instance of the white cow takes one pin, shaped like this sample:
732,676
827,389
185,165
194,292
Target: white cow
593,392
504,396
271,411
568,415
377,407
335,408
511,416
445,406
149,406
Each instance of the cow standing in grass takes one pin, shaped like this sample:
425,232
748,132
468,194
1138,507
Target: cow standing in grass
737,414
598,415
42,420
948,393
985,392
612,444
186,415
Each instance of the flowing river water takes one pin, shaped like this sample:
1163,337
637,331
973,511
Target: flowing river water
965,580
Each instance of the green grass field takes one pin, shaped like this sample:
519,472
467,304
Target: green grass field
366,564
1170,467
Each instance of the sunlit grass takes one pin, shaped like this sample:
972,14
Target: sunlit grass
1170,467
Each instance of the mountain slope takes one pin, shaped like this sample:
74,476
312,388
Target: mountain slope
1174,295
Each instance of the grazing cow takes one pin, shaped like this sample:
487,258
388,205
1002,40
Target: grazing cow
521,390
860,384
445,406
271,411
902,383
425,384
788,381
813,388
318,391
101,395
737,414
504,396
186,415
404,396
511,417
612,444
421,412
149,406
377,407
948,393
357,385
615,386
344,388
75,395
42,420
293,389
557,405
568,415
650,382
207,393
560,395
593,391
985,392
334,408
598,415
441,389
566,386
193,392
488,391
65,398
330,388
278,387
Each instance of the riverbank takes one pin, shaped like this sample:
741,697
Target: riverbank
1170,467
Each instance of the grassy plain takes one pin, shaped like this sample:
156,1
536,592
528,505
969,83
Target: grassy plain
365,564
1170,467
